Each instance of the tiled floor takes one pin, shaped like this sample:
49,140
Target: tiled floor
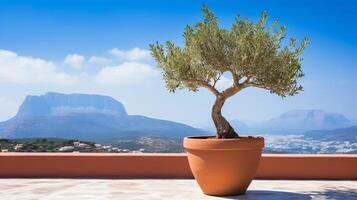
123,189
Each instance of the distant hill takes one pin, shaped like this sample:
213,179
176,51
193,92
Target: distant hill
342,134
296,122
151,144
86,117
240,126
354,122
304,120
56,104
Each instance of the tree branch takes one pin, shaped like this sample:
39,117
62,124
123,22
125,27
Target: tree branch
201,83
250,84
247,80
231,91
235,77
215,80
208,86
236,87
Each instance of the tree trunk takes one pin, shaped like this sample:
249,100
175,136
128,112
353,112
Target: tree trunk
224,129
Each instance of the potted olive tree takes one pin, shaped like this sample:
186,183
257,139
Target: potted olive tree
251,54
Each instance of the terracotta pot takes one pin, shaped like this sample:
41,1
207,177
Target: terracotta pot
223,167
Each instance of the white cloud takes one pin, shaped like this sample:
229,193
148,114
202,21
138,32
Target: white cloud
224,83
8,107
74,60
134,54
21,70
98,60
132,67
126,73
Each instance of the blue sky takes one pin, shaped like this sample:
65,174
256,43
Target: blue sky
97,46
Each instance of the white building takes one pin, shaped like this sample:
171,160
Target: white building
66,148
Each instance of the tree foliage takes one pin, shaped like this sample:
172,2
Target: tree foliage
251,52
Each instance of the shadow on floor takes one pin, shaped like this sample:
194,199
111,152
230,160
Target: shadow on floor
272,195
340,193
268,195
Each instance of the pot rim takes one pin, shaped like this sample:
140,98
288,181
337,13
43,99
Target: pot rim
212,143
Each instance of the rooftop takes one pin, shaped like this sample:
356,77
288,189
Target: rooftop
52,176
58,189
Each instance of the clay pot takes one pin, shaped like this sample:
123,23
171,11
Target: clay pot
223,167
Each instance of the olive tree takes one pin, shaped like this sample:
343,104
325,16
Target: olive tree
252,53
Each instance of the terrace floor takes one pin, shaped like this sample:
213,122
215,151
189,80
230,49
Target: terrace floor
98,189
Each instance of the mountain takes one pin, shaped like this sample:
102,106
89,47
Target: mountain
56,104
354,122
86,117
296,122
239,126
299,121
342,134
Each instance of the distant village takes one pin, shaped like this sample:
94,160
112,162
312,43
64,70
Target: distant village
78,146
46,145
